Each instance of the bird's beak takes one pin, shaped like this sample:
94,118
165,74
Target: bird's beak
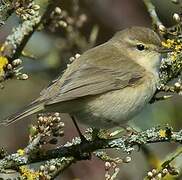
164,50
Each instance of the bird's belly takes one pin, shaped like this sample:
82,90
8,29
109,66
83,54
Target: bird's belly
117,107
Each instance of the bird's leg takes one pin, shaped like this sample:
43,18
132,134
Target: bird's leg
95,133
82,137
129,130
81,155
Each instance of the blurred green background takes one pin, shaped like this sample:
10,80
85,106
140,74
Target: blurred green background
53,50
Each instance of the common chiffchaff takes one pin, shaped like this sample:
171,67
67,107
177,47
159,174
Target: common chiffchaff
108,84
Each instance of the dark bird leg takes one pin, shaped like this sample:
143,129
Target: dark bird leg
82,137
81,155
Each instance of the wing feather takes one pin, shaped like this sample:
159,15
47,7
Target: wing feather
97,71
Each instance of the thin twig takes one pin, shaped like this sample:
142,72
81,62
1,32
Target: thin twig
152,11
6,9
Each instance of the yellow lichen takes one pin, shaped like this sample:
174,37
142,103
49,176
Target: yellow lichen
29,174
2,48
168,43
3,63
162,133
21,152
175,45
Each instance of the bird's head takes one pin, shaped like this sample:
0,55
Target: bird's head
142,45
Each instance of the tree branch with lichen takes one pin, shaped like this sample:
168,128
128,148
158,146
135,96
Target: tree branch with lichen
56,160
171,66
6,9
12,48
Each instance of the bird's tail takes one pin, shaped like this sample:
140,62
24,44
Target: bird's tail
28,110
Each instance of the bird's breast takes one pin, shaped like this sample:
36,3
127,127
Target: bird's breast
117,107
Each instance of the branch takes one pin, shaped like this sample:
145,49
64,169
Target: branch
76,150
152,11
12,47
165,168
171,66
6,9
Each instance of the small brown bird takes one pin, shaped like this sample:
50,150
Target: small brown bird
107,85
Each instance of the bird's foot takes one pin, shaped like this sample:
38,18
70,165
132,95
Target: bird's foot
131,130
104,133
83,139
80,155
110,133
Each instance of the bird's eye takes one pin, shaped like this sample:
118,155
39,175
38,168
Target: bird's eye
140,47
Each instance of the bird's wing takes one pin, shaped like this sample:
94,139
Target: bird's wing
97,71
